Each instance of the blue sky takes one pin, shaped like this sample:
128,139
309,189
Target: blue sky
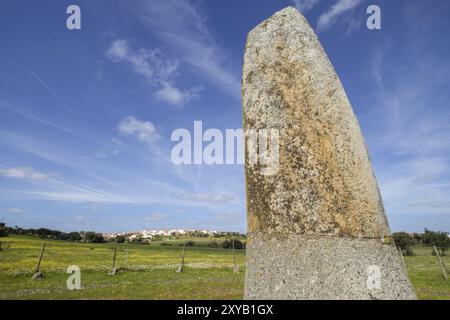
87,115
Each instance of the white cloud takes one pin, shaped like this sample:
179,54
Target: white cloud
410,150
144,131
353,24
419,183
175,96
445,205
27,173
149,63
182,27
304,5
329,18
427,168
230,217
209,198
83,196
42,121
118,51
156,217
15,210
157,69
87,179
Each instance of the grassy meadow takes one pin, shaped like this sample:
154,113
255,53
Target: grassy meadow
151,272
426,276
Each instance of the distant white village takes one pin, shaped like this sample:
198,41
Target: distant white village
152,234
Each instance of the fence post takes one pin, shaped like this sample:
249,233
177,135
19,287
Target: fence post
114,269
441,264
235,266
181,266
126,257
403,259
37,273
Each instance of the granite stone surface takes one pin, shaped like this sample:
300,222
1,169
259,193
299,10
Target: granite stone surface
318,222
323,268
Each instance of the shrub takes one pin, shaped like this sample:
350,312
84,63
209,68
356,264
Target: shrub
228,244
190,243
137,240
120,239
213,244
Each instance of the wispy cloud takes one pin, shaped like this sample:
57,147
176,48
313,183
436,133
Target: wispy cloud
418,184
209,198
175,96
435,204
157,217
182,27
81,197
150,63
411,152
53,93
16,210
230,217
144,131
305,5
86,179
26,173
40,120
331,16
158,70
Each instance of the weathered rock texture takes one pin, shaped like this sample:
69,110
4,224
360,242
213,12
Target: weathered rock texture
318,223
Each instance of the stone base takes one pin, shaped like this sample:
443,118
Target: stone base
310,267
38,276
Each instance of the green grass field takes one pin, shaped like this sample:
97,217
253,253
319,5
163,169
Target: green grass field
426,276
151,271
150,275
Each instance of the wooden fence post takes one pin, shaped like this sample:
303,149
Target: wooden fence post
114,269
181,266
441,264
126,257
235,266
37,273
403,259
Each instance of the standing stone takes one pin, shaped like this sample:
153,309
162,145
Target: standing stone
317,227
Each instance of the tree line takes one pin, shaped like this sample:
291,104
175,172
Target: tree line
95,237
44,233
405,241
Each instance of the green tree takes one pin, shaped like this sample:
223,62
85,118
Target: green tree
438,239
403,241
93,237
3,230
74,236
